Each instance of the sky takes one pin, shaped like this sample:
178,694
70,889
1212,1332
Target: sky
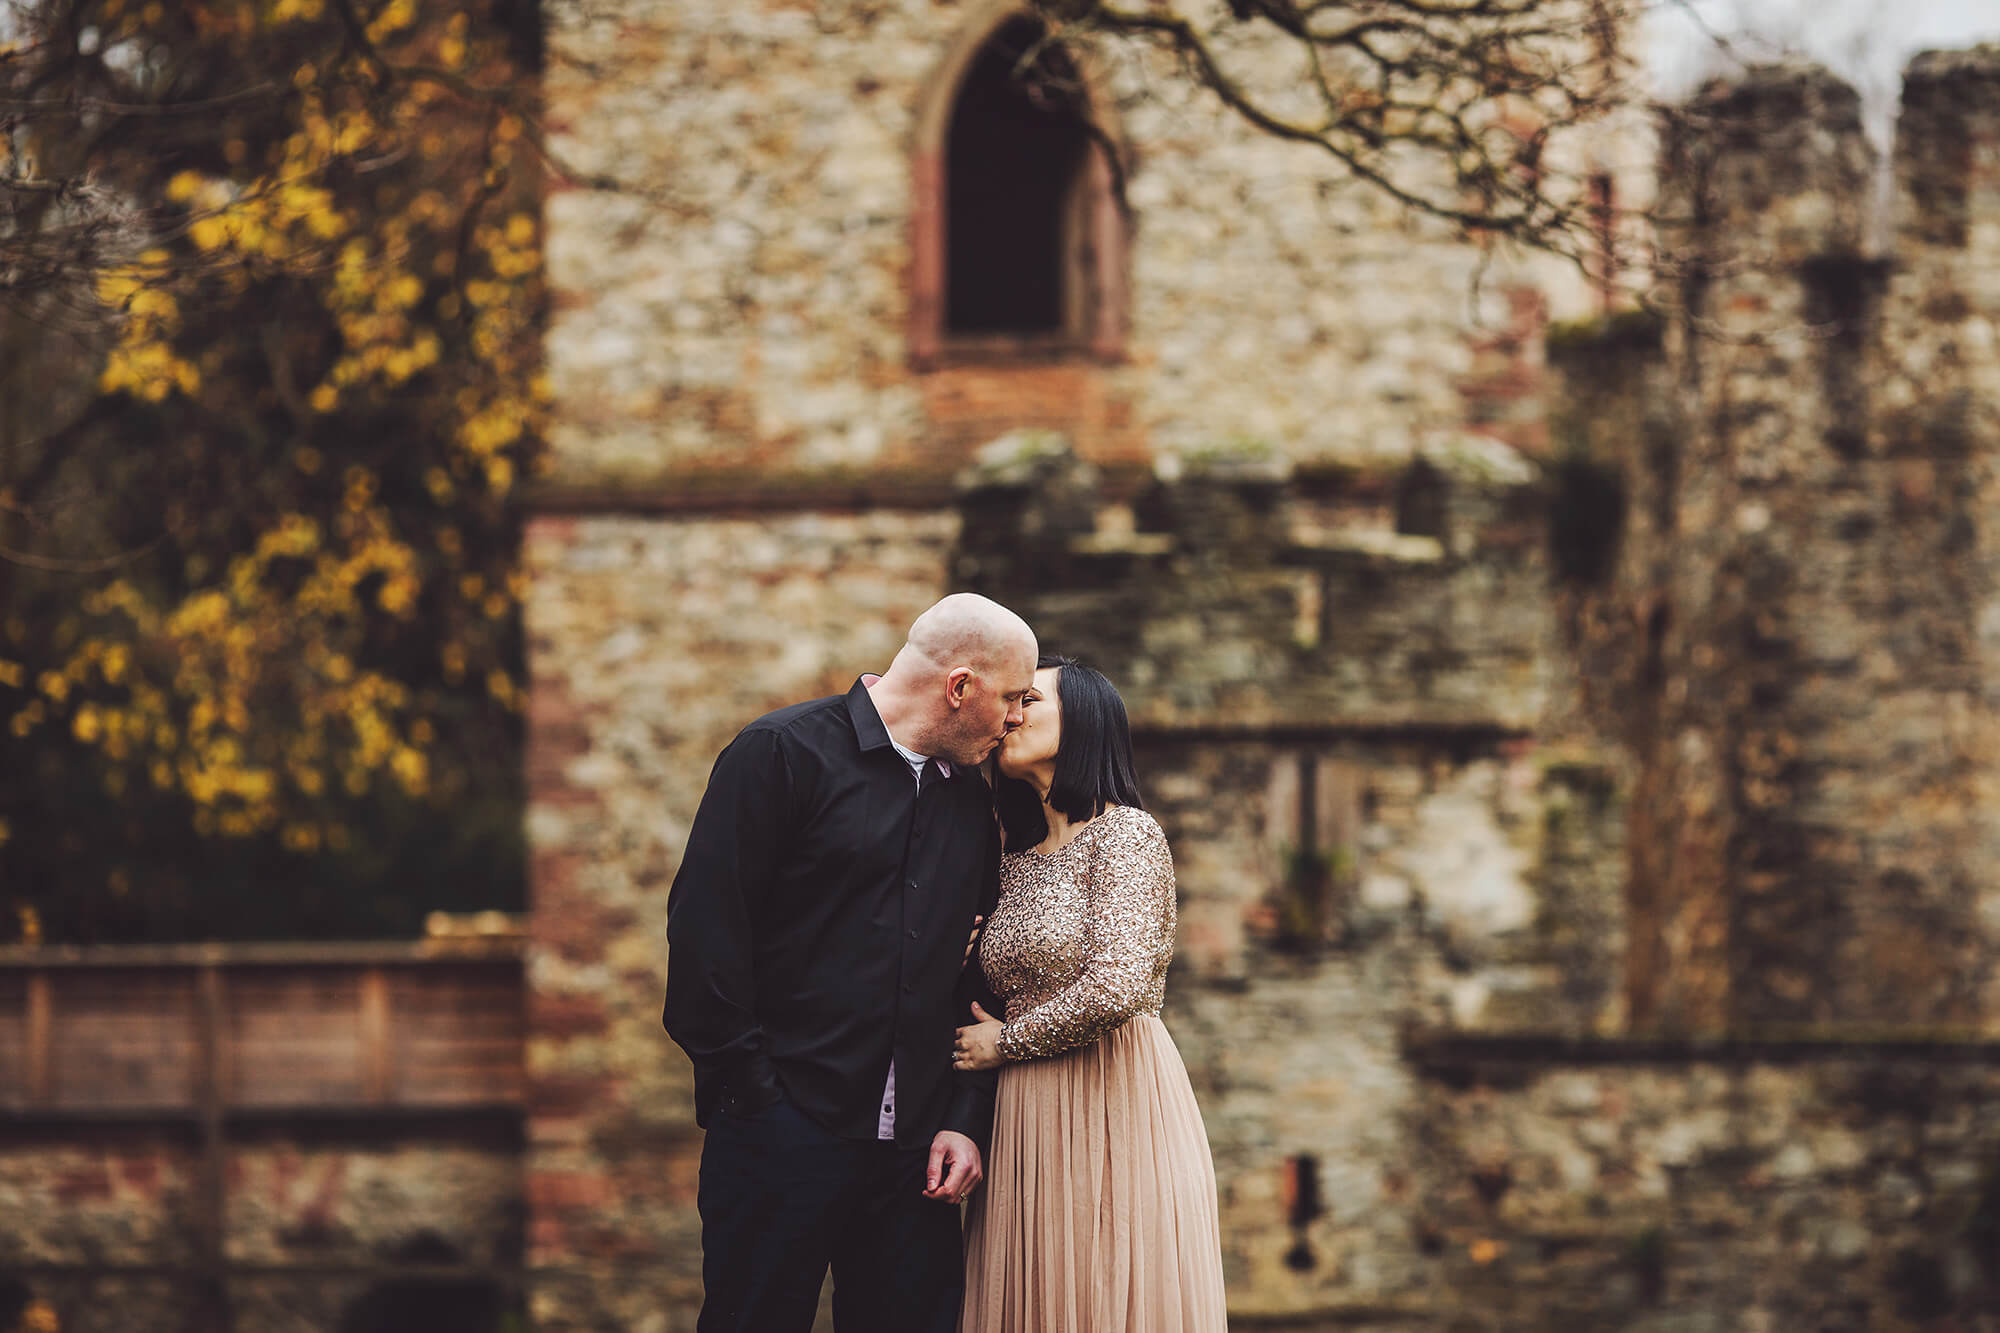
1866,41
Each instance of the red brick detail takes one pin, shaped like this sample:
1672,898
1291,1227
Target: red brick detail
558,735
682,1175
547,1240
970,405
566,920
1504,392
563,1190
609,1242
83,1184
142,1174
926,278
563,1096
550,531
553,1014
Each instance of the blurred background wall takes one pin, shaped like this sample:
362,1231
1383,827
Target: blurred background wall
1568,687
1569,725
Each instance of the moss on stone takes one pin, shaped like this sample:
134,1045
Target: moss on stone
1620,331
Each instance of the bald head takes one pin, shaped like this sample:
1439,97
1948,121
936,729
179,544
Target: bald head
966,629
955,689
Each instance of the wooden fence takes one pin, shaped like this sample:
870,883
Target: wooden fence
211,1037
183,1029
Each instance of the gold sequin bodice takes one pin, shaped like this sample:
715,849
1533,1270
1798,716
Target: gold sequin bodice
1081,938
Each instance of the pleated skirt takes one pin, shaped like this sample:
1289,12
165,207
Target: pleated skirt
1098,1214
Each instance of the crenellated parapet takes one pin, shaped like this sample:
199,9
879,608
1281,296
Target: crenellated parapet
1231,595
1801,628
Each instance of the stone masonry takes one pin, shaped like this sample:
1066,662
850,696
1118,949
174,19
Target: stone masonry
1579,809
122,1201
740,314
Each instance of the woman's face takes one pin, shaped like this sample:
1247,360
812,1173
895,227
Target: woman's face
1033,744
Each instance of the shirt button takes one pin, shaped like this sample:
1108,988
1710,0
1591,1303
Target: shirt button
913,934
908,987
911,885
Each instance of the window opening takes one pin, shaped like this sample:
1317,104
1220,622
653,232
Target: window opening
1018,202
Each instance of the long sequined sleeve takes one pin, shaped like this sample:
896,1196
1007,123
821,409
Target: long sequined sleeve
1129,929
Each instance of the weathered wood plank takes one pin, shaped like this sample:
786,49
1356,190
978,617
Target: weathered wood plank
367,1027
40,1070
379,1057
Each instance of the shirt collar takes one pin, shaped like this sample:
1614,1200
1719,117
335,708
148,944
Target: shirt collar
868,725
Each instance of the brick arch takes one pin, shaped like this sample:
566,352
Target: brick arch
1100,333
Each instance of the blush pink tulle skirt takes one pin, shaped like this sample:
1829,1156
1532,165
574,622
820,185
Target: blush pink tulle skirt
1098,1214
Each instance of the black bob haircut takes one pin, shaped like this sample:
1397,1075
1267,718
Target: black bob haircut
1093,763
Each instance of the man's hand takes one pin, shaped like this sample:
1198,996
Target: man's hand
955,1169
977,1045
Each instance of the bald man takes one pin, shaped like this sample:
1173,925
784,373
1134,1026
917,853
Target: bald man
817,932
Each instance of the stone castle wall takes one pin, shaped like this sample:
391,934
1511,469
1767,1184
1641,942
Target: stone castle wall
100,1226
1801,614
742,308
652,642
1502,783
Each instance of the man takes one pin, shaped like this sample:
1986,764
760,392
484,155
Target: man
817,933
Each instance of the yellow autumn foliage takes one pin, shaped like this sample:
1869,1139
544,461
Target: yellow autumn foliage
311,649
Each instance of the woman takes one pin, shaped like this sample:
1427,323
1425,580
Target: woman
1099,1213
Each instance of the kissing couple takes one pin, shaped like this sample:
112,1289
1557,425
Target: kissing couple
918,944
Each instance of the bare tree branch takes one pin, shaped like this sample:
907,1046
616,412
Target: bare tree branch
1452,108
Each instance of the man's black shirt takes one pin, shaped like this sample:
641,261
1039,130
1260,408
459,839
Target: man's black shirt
817,926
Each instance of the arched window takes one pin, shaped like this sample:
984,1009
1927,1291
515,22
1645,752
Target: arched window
1019,245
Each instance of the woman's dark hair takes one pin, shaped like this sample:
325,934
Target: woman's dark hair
1093,763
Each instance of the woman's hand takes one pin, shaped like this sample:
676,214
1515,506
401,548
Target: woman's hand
978,1046
972,941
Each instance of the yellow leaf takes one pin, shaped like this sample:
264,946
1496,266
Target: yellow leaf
183,186
116,288
411,769
499,475
208,233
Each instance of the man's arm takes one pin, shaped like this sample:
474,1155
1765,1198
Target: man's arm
970,1111
733,852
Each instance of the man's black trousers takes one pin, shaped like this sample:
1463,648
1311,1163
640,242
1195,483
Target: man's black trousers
782,1199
